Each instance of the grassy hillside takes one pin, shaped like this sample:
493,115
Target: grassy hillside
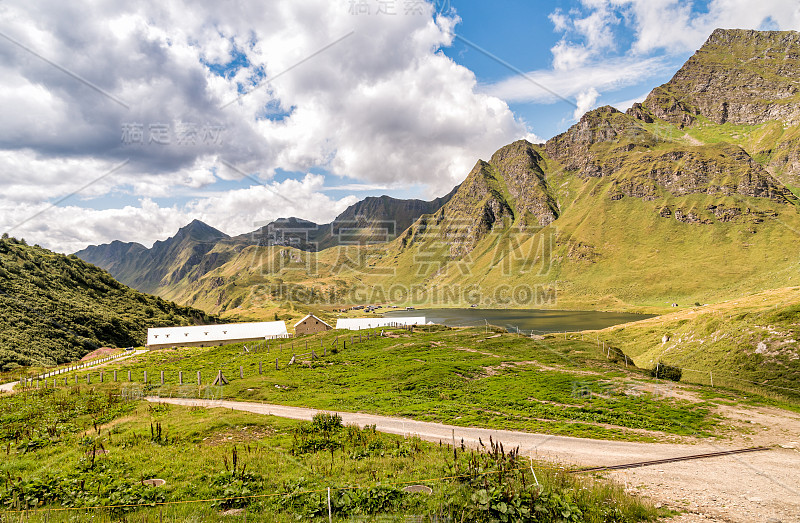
623,241
56,308
748,342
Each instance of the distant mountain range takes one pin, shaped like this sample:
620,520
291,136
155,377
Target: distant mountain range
199,248
686,197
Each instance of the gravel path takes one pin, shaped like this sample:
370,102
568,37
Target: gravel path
746,488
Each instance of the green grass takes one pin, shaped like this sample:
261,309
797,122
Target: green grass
274,468
455,376
748,344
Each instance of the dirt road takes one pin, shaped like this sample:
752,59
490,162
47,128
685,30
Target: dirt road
746,488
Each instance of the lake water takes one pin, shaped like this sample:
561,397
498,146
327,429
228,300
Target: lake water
535,320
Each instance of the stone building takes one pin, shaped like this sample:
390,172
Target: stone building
310,325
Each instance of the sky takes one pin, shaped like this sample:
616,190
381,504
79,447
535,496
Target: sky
127,120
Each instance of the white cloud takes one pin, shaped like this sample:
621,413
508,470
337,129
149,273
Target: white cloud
568,56
71,227
382,106
559,19
609,75
585,101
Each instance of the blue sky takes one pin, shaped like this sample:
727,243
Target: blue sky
317,104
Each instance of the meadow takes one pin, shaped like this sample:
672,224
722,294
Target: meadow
748,343
461,376
80,453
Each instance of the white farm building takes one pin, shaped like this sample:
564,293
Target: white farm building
355,324
209,335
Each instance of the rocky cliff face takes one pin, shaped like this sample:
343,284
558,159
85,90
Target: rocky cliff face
521,169
738,76
576,151
510,189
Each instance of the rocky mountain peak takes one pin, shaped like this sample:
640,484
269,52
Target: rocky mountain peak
737,76
200,231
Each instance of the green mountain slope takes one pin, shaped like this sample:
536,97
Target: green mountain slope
199,248
673,201
56,308
749,341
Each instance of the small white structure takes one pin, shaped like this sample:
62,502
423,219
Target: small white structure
355,324
208,335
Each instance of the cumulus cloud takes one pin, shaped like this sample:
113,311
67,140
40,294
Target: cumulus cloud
177,89
585,101
239,211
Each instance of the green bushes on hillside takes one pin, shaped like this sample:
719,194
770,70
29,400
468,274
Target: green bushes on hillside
56,308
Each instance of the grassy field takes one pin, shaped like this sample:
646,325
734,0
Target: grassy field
749,343
69,450
460,376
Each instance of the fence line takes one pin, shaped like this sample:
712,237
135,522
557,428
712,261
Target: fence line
258,347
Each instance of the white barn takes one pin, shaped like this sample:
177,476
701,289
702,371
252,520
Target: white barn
209,335
355,324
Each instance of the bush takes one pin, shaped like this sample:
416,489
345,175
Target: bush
666,372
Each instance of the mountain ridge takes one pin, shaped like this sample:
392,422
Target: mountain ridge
621,210
192,251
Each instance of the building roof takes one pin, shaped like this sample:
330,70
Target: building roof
355,324
215,333
311,316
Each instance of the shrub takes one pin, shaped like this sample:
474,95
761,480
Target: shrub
666,372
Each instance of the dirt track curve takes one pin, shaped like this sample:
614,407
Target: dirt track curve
746,488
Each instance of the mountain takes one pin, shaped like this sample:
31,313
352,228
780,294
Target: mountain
56,308
666,203
687,197
371,220
742,81
199,248
165,263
